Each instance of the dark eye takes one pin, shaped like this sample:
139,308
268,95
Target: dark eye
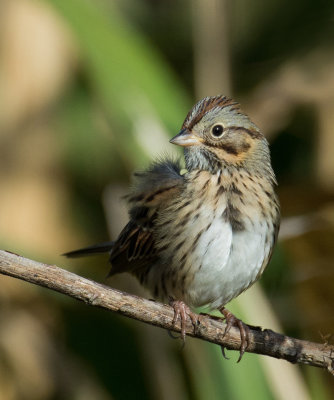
217,130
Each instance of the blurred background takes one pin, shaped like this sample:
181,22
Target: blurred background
90,91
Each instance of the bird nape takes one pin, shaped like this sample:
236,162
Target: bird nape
203,237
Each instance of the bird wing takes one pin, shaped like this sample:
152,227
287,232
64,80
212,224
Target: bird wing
152,191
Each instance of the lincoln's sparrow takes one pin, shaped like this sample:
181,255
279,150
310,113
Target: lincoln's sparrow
203,237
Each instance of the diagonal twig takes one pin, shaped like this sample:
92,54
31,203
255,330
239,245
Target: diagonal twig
266,342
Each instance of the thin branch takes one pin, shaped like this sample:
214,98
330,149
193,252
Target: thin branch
211,329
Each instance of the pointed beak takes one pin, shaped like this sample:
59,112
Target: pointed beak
186,138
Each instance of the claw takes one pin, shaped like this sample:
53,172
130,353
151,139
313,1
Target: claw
223,353
181,311
231,320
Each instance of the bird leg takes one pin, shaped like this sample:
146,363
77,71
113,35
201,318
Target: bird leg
181,310
231,320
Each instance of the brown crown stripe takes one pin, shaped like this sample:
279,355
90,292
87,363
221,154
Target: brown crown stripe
208,103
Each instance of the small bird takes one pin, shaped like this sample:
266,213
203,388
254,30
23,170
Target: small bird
202,237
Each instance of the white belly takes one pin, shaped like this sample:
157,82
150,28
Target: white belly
230,263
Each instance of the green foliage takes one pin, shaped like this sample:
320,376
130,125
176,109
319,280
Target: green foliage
123,70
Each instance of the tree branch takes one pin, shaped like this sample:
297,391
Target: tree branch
211,329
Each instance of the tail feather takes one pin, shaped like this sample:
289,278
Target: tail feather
104,247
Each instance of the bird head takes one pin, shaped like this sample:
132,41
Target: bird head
216,134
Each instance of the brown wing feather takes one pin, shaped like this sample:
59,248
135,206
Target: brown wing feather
134,248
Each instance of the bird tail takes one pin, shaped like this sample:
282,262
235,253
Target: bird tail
104,247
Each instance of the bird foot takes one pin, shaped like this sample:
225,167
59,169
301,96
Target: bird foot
231,320
182,311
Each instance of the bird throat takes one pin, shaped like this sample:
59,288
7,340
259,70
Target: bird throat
200,158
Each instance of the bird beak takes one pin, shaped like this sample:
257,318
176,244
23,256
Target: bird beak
186,138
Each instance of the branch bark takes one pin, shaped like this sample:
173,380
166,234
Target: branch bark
211,329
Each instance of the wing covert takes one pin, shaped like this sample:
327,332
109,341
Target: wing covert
151,192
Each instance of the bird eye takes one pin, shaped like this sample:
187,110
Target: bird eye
217,131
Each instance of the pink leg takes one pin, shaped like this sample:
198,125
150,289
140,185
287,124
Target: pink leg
231,320
182,311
